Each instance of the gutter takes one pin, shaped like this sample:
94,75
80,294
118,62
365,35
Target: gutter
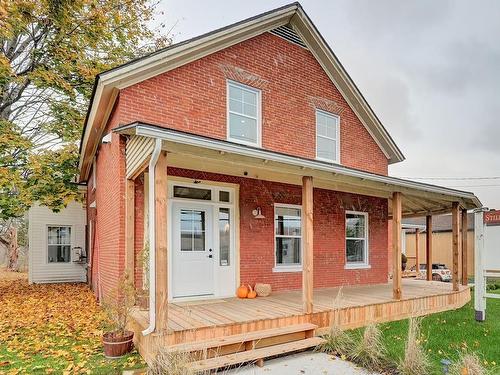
152,242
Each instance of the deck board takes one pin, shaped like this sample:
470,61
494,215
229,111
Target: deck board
357,306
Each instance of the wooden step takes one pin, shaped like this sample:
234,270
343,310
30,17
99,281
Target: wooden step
255,354
243,338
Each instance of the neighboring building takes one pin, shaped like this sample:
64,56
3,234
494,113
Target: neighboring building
57,244
240,156
442,241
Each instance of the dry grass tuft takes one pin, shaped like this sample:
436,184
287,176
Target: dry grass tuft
170,362
370,352
338,342
415,361
468,364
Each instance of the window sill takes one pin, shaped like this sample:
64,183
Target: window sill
357,266
287,269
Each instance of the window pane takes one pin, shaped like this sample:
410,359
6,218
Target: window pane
287,250
326,125
355,226
243,128
224,236
355,250
288,221
250,97
59,253
235,106
192,230
192,193
224,196
250,110
235,93
326,148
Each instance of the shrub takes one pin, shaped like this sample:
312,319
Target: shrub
171,363
338,342
370,351
415,360
467,364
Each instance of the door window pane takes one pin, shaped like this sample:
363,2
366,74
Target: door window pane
192,230
59,244
224,236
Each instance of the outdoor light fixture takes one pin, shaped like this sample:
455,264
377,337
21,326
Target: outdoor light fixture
257,213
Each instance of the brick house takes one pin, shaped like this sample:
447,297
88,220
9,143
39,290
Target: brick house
245,155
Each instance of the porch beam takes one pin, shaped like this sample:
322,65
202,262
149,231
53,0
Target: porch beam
428,247
465,274
130,229
307,235
417,242
396,245
160,190
455,218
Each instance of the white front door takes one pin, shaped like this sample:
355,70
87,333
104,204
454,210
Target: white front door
193,250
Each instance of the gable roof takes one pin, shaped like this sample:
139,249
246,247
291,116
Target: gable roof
108,83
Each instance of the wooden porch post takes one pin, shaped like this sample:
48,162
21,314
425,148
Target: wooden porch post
428,247
465,275
455,218
307,235
396,245
129,228
417,240
160,190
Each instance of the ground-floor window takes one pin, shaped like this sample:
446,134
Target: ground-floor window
356,235
59,244
288,236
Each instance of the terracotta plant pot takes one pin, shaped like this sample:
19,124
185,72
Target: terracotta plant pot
116,345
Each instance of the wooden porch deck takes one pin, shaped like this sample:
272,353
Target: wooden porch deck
357,306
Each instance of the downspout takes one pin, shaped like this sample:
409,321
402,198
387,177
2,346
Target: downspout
152,242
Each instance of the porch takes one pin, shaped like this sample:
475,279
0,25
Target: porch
348,306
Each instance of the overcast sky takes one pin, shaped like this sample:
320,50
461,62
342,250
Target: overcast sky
429,69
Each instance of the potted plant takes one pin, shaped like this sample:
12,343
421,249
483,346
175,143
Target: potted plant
404,260
117,340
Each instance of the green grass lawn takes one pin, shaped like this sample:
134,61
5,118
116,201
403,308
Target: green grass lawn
449,333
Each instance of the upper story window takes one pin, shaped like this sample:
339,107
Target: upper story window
327,137
243,120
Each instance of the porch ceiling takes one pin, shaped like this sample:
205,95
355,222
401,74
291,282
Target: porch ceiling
218,156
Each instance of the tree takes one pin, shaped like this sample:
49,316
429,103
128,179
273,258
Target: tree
51,51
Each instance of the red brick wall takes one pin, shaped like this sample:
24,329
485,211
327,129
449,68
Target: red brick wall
109,245
257,236
192,98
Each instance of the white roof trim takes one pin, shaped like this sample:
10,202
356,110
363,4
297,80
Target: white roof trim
225,146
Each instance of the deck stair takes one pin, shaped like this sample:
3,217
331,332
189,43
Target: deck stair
250,347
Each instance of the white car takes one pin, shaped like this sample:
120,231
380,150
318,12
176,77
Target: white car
439,272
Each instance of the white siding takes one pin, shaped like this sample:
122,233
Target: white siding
40,218
137,152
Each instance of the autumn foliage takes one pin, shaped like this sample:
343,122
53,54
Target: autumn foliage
53,328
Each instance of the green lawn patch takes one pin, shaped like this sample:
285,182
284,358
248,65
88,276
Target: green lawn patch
447,334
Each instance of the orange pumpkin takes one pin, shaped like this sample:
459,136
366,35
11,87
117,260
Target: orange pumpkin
242,292
252,293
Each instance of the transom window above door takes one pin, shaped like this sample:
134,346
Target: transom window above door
327,137
243,114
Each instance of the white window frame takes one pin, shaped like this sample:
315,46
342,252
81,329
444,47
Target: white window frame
70,243
336,139
258,117
366,263
284,267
